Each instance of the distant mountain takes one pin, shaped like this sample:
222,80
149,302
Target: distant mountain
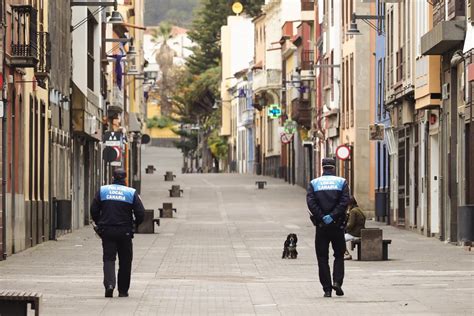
177,12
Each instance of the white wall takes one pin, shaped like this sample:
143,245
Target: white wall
335,45
241,42
79,53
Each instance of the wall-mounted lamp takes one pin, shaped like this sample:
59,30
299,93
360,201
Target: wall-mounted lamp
353,29
115,18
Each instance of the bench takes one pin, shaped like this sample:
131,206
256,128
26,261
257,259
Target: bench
16,302
261,184
357,242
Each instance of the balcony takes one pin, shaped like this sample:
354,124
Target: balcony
301,112
24,37
307,60
43,66
266,80
443,37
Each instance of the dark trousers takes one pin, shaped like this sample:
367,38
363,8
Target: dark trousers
335,236
117,241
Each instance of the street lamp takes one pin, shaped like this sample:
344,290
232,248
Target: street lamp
115,18
132,68
353,30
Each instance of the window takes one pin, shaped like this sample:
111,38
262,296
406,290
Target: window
36,149
343,94
379,167
270,134
42,150
91,25
331,61
379,90
31,149
332,12
351,78
381,22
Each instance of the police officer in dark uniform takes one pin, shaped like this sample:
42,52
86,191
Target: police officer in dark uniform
327,198
111,211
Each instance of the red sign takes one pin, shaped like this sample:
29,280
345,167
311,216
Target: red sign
286,138
343,152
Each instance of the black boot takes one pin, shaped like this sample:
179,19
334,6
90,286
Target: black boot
338,289
109,291
327,294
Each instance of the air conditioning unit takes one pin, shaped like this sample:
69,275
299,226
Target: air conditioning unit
445,91
407,112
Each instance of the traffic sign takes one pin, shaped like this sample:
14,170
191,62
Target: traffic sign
343,152
286,138
274,111
113,148
290,126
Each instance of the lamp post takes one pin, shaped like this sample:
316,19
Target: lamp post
353,30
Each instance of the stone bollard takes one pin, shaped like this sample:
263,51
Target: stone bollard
167,210
148,224
261,184
371,244
175,191
169,176
150,169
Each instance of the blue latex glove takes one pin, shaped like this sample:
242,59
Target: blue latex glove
327,219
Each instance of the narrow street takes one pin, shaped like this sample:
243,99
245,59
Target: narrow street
221,255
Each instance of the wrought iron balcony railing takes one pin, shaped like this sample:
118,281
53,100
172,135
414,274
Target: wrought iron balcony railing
307,60
44,55
24,36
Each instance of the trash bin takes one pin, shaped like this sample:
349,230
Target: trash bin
63,214
381,204
466,223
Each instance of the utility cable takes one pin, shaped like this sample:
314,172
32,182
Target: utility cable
85,20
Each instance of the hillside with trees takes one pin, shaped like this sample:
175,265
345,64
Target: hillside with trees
177,12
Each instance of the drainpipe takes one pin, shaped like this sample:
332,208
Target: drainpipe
456,59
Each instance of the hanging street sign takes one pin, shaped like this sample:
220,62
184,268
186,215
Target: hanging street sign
343,152
274,111
290,126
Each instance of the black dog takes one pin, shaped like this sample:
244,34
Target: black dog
289,247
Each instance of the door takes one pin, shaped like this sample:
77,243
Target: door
403,175
434,185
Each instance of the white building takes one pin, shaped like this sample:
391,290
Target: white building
237,54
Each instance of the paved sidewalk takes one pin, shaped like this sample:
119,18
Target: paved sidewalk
221,255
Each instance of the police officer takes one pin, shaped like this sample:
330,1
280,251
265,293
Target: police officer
327,198
111,210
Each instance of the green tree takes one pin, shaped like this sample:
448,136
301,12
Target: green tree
200,89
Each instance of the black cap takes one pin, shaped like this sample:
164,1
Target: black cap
329,163
119,174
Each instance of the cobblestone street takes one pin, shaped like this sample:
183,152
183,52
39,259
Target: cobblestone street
221,255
